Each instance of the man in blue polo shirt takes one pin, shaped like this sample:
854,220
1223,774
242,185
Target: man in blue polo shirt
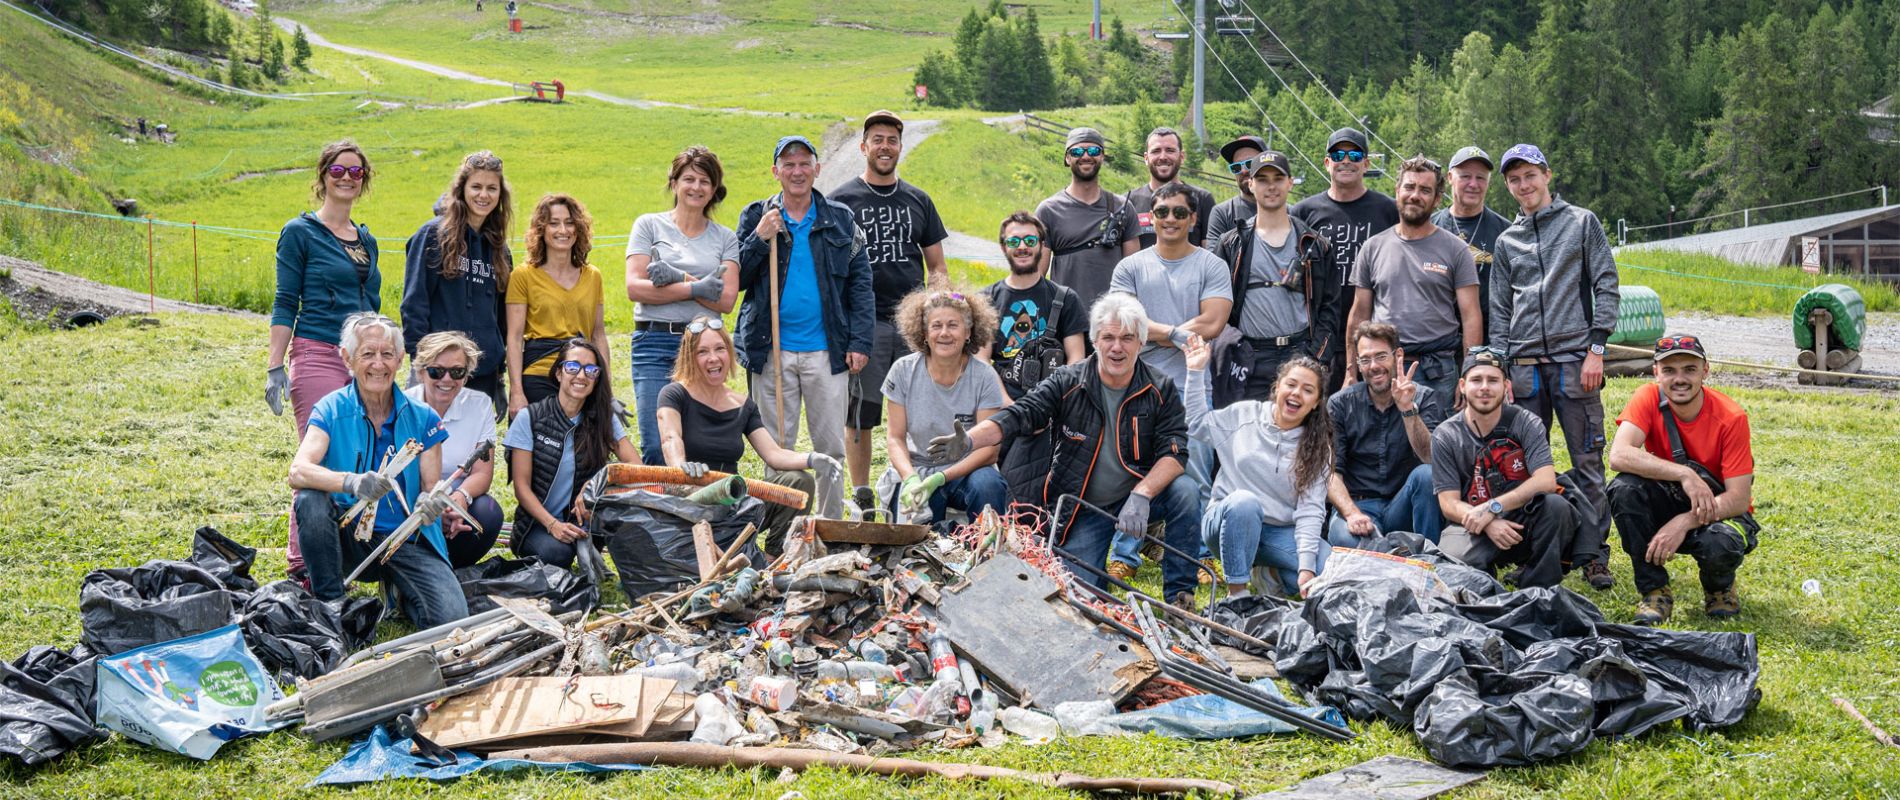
353,431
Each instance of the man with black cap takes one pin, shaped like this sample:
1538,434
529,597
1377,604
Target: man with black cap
1090,230
1164,157
903,239
1469,217
1492,472
1228,215
825,307
1553,305
1284,285
1347,214
1686,473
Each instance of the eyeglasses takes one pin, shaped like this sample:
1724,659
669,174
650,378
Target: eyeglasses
590,371
1092,151
1178,212
436,373
1014,242
700,325
1668,343
338,171
1355,156
1366,361
1243,165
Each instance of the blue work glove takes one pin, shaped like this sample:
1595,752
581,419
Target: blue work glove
1134,517
276,387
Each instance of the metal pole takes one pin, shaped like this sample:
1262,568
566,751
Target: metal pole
1200,71
151,268
194,261
1095,28
1744,217
1883,195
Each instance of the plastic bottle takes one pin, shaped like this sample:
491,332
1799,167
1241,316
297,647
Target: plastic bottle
717,724
779,653
681,673
870,651
983,717
943,660
858,671
1038,728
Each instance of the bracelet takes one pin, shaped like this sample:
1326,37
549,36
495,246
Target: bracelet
466,499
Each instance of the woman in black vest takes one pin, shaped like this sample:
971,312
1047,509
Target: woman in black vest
555,446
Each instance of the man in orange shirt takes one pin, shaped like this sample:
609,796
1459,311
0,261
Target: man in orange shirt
1684,488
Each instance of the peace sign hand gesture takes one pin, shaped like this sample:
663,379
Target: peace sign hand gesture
1404,391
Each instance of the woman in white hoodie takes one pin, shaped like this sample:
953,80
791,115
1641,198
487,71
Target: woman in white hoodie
1275,459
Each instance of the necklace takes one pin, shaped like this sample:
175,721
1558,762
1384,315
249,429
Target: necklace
874,190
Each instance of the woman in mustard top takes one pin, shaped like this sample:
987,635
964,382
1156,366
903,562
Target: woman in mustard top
556,298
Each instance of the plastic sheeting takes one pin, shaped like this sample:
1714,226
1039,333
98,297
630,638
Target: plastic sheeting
1202,716
1498,678
46,704
296,635
376,757
527,578
650,537
188,696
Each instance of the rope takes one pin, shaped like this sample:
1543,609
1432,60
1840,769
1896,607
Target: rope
1638,351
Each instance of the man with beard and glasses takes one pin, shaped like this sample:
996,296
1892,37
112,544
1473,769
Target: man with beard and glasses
1040,328
1230,213
903,241
1164,157
1686,476
1493,475
1421,279
1280,271
1346,214
1382,444
1090,230
1469,218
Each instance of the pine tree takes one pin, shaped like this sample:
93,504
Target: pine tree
1039,82
300,50
274,59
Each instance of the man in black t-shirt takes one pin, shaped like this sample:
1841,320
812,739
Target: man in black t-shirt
1347,214
1041,326
1164,157
903,239
1470,219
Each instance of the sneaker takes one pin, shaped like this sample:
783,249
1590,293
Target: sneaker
1598,574
1722,604
1211,567
864,499
1514,578
1183,601
1657,607
1120,571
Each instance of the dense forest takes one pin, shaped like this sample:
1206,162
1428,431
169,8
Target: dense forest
203,36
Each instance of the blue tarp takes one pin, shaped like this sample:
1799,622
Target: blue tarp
1208,716
375,757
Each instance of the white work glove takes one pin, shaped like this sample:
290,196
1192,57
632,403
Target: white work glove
432,506
276,387
693,469
368,486
823,466
664,274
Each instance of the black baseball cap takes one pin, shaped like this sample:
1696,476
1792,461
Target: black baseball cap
1677,344
1255,142
1274,159
1350,136
1485,356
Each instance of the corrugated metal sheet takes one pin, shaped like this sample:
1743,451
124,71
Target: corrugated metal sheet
1771,244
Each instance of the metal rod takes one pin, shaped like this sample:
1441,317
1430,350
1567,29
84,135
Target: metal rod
351,723
1143,535
1204,678
1172,609
429,635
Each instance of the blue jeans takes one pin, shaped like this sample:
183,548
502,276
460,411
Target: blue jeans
1127,549
430,594
1236,528
984,486
542,545
1413,509
1179,506
651,355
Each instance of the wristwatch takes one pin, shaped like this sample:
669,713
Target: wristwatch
1496,508
1409,414
1597,349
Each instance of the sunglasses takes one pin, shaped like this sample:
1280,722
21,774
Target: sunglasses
1092,151
1014,242
338,171
700,325
941,295
1668,343
1484,350
1242,166
591,371
436,373
1178,212
1355,156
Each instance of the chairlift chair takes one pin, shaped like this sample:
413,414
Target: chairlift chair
1234,25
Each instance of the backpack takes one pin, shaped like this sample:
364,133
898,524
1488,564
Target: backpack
1040,357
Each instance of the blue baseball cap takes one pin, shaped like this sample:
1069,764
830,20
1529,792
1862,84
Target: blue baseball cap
788,141
1527,153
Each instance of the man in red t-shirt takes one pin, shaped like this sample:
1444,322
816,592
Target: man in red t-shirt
1685,491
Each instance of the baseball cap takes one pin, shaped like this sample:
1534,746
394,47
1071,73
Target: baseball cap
884,117
1679,344
1471,153
1484,356
788,141
1350,136
1274,159
1227,150
1522,152
1085,136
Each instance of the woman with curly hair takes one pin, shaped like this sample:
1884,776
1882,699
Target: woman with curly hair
457,265
941,388
554,447
557,297
1276,457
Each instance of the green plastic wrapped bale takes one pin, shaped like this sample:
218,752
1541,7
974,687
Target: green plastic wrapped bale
1850,316
1639,317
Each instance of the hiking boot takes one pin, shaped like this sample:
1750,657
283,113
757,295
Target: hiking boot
1722,604
1210,568
1598,574
1151,550
1120,571
1183,601
1514,577
1657,607
864,498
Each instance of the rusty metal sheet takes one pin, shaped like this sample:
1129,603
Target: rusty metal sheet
849,532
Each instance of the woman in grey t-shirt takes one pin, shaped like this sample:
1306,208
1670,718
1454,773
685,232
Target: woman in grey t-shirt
940,385
680,265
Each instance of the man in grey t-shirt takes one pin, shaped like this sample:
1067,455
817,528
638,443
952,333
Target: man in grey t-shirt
1421,279
1185,289
1090,230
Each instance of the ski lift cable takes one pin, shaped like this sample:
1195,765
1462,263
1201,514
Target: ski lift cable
1249,95
1309,73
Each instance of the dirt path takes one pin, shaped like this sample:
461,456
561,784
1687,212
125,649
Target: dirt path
1770,340
37,291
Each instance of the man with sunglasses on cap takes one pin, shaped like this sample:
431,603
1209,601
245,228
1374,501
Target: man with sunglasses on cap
1686,473
1041,326
1230,213
1164,157
826,311
1347,214
1280,272
1493,474
1090,230
1553,305
1470,219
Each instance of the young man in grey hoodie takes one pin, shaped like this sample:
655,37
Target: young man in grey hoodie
1553,307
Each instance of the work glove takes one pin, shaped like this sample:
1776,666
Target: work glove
276,385
1178,336
368,486
823,466
951,447
915,494
620,410
664,274
710,287
432,506
694,469
1133,521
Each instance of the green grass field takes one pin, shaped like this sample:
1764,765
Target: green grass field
1696,282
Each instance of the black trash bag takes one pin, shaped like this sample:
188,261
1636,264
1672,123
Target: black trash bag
223,557
120,609
1402,645
1536,614
650,536
1714,672
528,578
1470,583
1628,702
46,704
1486,718
296,635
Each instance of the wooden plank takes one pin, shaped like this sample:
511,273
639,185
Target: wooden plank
516,707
